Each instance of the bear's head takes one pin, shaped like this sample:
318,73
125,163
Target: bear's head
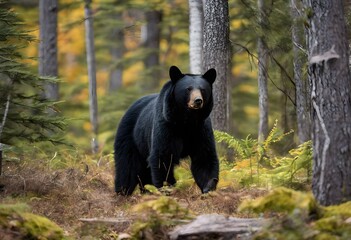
193,93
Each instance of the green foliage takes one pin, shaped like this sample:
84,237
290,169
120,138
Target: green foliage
155,216
23,111
259,165
300,217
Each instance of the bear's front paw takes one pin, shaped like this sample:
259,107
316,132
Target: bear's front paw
211,185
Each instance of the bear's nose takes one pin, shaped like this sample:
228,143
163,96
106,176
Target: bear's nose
198,102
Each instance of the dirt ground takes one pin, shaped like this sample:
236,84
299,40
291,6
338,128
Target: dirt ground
68,195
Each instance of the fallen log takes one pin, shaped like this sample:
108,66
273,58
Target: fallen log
214,226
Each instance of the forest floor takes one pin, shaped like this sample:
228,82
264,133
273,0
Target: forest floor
70,194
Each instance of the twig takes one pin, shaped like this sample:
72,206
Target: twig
104,220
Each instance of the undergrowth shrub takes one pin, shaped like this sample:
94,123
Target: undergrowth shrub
258,165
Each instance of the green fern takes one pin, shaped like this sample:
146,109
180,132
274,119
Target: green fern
258,165
244,148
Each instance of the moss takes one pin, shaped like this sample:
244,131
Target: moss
342,210
156,216
301,217
16,220
282,200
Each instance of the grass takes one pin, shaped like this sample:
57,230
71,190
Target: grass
67,187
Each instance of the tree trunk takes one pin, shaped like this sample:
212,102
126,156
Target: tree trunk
89,37
117,51
3,121
195,35
48,46
151,41
217,54
262,54
329,76
301,85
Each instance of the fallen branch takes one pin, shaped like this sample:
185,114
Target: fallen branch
105,220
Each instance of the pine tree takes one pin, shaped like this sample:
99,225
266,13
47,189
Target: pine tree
23,112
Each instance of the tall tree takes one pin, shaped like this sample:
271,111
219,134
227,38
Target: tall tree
48,45
262,54
329,75
301,84
20,90
117,51
216,50
151,42
89,38
195,35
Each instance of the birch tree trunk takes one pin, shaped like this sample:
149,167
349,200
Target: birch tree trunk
48,46
195,35
301,84
329,75
89,38
217,54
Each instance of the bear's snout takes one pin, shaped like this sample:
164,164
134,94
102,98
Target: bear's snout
196,101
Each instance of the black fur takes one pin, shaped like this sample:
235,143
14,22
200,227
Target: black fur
160,129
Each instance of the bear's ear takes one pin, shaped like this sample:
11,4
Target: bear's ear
210,75
175,74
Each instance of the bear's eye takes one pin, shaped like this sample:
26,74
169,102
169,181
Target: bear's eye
189,89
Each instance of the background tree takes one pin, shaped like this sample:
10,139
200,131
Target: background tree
117,51
196,15
329,75
301,83
90,49
21,90
48,46
262,55
217,54
151,43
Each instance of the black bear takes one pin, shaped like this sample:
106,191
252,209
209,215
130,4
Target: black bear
160,129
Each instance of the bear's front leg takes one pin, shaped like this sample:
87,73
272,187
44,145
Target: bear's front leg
206,177
204,160
162,167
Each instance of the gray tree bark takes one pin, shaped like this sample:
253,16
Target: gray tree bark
329,76
302,90
216,54
89,38
195,35
48,46
262,54
151,41
117,51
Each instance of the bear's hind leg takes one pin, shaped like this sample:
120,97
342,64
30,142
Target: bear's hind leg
127,168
